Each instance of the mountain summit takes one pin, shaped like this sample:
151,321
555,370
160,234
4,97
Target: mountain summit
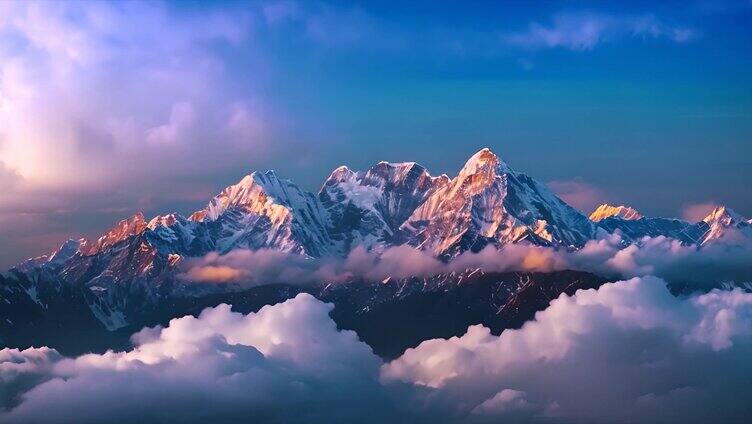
606,211
489,203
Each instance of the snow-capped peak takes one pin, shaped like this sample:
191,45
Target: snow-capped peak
163,221
484,162
262,210
723,215
341,173
606,211
250,193
724,223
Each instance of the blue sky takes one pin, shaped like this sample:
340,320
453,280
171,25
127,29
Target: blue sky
110,108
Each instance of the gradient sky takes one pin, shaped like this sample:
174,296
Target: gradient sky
111,108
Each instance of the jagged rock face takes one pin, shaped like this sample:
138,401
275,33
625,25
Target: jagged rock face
489,203
367,208
404,186
122,281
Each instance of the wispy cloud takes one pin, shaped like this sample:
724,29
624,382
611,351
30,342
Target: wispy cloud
580,194
9,178
321,23
697,211
277,12
726,260
584,31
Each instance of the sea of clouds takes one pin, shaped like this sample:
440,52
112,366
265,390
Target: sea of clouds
700,268
628,351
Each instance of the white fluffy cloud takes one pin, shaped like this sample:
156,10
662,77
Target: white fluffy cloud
629,351
286,363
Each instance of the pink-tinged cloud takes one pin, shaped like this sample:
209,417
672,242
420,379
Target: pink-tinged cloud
727,259
697,211
98,102
177,128
215,274
258,267
9,178
580,194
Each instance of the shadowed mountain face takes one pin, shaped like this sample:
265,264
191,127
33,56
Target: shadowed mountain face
397,315
106,288
390,316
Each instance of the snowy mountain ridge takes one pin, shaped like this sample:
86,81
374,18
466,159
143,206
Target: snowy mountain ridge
721,224
134,265
390,204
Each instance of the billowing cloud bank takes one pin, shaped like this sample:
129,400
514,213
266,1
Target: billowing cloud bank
629,351
660,256
286,363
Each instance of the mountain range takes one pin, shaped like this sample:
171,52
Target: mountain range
128,276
